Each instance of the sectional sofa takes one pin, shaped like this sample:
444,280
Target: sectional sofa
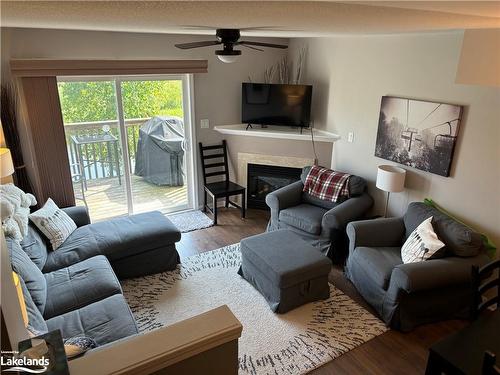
76,288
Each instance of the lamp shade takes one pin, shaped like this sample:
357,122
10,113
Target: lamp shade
228,59
6,166
391,178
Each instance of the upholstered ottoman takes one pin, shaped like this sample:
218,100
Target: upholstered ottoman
286,270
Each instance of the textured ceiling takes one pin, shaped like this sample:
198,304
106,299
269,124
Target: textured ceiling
471,8
275,18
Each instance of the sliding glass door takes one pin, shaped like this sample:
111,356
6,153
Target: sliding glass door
129,143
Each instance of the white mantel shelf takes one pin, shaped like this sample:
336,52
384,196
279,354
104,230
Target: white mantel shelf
281,132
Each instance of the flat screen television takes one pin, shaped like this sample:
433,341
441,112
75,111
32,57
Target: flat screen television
276,104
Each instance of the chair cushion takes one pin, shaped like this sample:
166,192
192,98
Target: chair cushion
104,321
459,239
79,285
304,216
377,263
35,246
29,273
116,239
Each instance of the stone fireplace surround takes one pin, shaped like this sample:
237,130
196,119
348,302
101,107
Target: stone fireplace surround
283,161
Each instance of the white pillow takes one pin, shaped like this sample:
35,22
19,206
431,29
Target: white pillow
422,243
54,223
14,211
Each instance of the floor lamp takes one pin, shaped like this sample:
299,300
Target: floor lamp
390,179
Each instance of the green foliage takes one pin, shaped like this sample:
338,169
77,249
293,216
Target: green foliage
95,101
152,98
87,101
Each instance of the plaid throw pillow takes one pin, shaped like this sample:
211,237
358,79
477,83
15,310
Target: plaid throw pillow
326,184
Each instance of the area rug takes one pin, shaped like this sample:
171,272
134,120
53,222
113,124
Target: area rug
292,343
191,220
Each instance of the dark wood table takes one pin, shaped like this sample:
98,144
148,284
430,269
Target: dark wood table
463,351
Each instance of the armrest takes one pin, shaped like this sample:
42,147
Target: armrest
287,196
350,210
79,214
165,347
435,273
376,233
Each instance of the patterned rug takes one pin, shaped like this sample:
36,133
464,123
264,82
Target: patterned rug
191,220
292,343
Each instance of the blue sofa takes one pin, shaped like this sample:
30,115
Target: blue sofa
75,288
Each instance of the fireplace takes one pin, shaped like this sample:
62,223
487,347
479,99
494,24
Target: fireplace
263,179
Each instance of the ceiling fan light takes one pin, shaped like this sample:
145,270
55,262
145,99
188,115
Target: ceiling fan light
228,59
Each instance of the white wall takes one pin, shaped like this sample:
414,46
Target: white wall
217,94
351,74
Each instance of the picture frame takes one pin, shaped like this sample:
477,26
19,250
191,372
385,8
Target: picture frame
417,133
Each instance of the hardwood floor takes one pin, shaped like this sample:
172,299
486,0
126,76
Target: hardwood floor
390,353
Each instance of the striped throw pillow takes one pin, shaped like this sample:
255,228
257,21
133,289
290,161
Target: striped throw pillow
422,244
54,223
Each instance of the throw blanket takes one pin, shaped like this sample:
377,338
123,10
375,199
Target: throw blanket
15,208
323,183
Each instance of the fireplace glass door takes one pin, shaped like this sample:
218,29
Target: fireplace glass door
263,179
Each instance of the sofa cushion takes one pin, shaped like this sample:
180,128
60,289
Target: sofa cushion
104,321
377,263
36,322
29,273
459,239
304,216
35,246
116,239
357,185
54,223
79,285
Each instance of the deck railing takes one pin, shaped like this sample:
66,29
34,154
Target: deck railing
100,158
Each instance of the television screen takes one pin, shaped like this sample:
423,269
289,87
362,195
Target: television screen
276,104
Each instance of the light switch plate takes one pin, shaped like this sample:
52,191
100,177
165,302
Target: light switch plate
204,123
350,137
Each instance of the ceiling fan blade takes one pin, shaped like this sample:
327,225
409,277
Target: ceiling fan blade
204,27
205,43
255,48
260,44
259,28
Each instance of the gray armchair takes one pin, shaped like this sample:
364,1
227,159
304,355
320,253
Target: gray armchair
407,295
321,223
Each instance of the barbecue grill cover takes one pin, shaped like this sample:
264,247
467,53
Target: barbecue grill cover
160,151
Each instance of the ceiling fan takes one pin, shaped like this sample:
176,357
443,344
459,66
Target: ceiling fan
229,38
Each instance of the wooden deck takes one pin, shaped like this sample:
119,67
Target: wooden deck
106,197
